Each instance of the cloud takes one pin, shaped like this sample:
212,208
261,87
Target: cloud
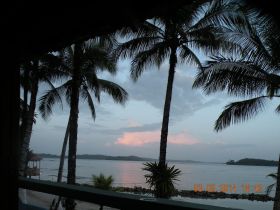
182,138
151,88
147,137
133,123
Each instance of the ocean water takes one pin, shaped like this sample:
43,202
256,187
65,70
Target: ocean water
211,176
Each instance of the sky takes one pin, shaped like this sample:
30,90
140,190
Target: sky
134,128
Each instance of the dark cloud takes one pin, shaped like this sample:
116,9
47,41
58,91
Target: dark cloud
144,127
151,88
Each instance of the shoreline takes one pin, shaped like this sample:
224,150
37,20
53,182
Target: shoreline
201,195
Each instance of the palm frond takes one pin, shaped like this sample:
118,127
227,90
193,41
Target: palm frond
134,46
92,82
102,182
211,40
52,67
188,56
220,13
107,41
278,109
269,189
270,35
273,175
97,58
154,56
67,56
240,37
143,29
51,97
191,13
239,111
248,37
237,77
161,178
118,94
86,95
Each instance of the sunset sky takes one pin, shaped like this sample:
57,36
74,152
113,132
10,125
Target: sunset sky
134,129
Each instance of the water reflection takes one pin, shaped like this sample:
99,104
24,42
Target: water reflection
130,174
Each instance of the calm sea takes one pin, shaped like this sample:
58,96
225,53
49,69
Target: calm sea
239,179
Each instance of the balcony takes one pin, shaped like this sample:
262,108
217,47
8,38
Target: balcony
111,199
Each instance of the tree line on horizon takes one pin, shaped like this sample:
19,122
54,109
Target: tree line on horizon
242,47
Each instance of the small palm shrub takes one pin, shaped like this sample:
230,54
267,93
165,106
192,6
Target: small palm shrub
161,178
102,182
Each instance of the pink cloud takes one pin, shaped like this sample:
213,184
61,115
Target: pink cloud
138,138
146,137
182,138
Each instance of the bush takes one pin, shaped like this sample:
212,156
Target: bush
161,178
102,182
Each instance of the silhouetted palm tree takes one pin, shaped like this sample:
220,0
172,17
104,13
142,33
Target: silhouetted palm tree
161,179
82,62
43,69
102,182
176,37
253,75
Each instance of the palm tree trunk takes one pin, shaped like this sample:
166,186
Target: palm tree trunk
276,205
29,122
73,126
62,155
25,104
61,162
24,111
166,111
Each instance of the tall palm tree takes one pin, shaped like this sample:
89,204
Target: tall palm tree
254,75
176,37
43,69
82,62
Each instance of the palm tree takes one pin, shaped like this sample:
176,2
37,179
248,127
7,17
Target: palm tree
254,75
175,37
43,69
161,178
102,182
82,62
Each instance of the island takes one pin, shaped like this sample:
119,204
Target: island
101,157
125,158
253,162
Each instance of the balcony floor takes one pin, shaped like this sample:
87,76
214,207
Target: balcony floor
44,200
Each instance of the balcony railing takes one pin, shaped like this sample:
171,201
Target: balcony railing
108,198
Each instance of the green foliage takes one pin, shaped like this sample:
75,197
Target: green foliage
161,178
102,182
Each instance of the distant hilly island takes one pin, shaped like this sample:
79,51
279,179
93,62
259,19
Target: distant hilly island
107,157
245,161
253,162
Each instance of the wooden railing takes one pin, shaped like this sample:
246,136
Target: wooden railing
108,198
